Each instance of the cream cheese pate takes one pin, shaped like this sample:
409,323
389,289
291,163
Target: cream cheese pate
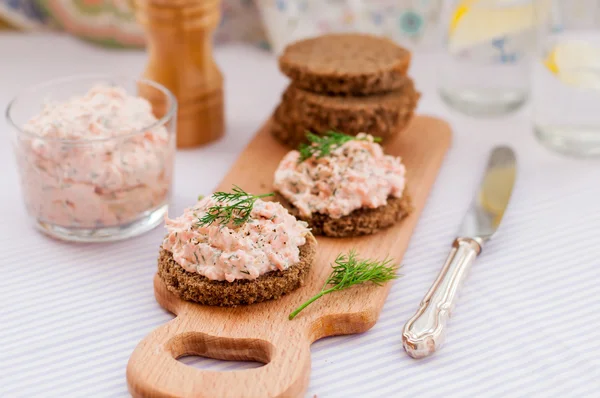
270,240
95,160
355,175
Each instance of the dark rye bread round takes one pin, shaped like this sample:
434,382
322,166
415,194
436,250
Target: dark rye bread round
355,64
382,115
270,286
359,222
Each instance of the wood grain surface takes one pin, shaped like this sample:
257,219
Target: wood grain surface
262,332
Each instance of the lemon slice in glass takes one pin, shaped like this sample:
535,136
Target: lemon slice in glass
576,63
478,21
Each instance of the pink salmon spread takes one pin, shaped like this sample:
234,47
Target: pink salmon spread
355,175
268,241
96,160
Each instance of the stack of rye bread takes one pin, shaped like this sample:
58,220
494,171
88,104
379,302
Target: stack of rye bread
350,83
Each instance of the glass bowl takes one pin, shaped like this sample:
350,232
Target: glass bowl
95,155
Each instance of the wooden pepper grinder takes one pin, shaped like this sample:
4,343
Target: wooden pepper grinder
179,44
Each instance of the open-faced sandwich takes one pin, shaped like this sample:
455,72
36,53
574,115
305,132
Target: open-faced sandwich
343,185
234,248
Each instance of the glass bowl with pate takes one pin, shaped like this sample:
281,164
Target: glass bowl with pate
95,155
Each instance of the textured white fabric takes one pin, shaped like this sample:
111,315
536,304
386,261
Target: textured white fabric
527,324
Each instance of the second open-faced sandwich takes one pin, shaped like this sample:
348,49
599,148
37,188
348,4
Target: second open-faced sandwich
343,185
234,248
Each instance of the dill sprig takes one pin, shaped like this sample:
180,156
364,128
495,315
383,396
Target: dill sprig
319,146
234,207
349,270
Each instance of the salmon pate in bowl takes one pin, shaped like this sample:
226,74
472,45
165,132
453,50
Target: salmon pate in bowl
95,155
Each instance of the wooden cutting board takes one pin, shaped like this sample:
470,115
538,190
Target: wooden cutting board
262,332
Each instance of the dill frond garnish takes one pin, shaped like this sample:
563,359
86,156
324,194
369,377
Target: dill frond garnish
348,270
320,146
233,207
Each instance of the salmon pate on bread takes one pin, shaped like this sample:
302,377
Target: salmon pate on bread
235,249
343,186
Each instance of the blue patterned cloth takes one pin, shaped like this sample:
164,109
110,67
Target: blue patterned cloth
265,23
23,14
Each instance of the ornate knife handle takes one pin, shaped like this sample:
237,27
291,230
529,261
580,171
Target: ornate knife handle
423,334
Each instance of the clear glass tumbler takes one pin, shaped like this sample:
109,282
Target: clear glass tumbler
566,80
80,185
489,45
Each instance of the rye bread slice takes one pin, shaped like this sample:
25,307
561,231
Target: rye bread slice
270,286
359,222
351,64
383,115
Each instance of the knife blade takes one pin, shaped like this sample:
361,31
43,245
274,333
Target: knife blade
424,333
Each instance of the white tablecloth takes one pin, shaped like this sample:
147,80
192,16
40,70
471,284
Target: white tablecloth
527,324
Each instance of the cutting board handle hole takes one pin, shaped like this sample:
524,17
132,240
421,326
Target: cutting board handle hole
211,364
208,352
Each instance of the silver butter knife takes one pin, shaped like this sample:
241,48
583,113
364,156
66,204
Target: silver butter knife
424,333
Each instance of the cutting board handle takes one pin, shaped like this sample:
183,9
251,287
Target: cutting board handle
153,369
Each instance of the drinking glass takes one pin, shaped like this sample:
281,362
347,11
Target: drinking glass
94,189
566,80
489,45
